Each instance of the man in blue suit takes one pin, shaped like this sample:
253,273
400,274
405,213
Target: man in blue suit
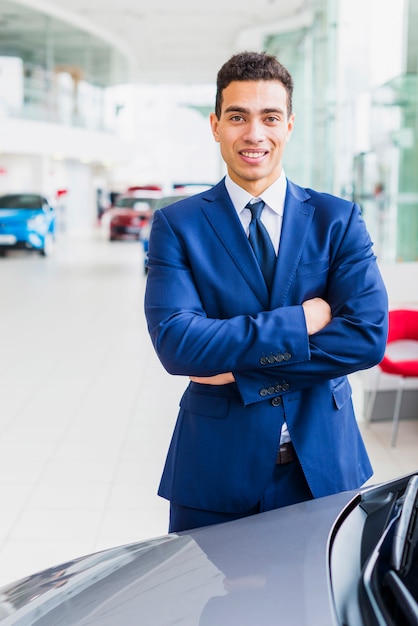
267,419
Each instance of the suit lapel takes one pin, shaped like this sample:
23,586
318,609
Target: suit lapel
224,220
297,220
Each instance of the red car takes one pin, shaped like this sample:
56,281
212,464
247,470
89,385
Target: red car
130,213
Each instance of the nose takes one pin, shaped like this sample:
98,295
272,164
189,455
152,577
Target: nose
254,132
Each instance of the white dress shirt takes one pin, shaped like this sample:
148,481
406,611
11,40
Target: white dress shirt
271,216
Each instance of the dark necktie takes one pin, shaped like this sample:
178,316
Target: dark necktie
261,242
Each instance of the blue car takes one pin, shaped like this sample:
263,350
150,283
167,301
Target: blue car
27,221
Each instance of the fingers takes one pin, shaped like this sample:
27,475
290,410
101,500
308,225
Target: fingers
317,314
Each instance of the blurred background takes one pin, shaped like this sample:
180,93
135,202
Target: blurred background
104,114
97,97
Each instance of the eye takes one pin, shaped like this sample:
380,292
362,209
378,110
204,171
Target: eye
237,118
272,119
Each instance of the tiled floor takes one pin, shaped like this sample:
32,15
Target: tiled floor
86,410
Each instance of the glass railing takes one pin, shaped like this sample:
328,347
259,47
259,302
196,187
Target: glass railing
57,97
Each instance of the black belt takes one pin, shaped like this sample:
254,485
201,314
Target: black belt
286,454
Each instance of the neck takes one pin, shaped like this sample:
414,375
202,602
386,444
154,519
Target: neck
255,187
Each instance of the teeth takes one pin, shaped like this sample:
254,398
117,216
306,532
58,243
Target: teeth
254,155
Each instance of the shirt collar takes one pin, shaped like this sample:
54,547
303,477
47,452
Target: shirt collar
273,196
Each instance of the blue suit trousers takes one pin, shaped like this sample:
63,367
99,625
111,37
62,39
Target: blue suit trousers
287,486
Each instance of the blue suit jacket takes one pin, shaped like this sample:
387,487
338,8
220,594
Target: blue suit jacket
209,311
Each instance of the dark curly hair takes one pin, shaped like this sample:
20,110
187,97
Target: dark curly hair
252,66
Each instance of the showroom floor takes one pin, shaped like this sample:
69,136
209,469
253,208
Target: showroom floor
87,410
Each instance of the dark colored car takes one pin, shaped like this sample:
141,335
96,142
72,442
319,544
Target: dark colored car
27,221
345,560
130,213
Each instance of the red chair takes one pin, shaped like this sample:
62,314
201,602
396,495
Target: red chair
403,326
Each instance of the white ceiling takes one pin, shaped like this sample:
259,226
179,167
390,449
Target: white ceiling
181,41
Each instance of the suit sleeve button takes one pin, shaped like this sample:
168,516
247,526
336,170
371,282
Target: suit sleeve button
285,386
287,356
263,392
263,360
276,401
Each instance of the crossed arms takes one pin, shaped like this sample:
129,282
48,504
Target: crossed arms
317,316
327,337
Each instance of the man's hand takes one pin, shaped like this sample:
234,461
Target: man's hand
218,379
317,314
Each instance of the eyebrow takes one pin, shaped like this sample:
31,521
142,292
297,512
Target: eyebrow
238,109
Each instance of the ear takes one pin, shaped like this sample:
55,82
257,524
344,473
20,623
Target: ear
290,124
214,123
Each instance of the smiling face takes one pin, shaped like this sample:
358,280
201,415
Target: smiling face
252,131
